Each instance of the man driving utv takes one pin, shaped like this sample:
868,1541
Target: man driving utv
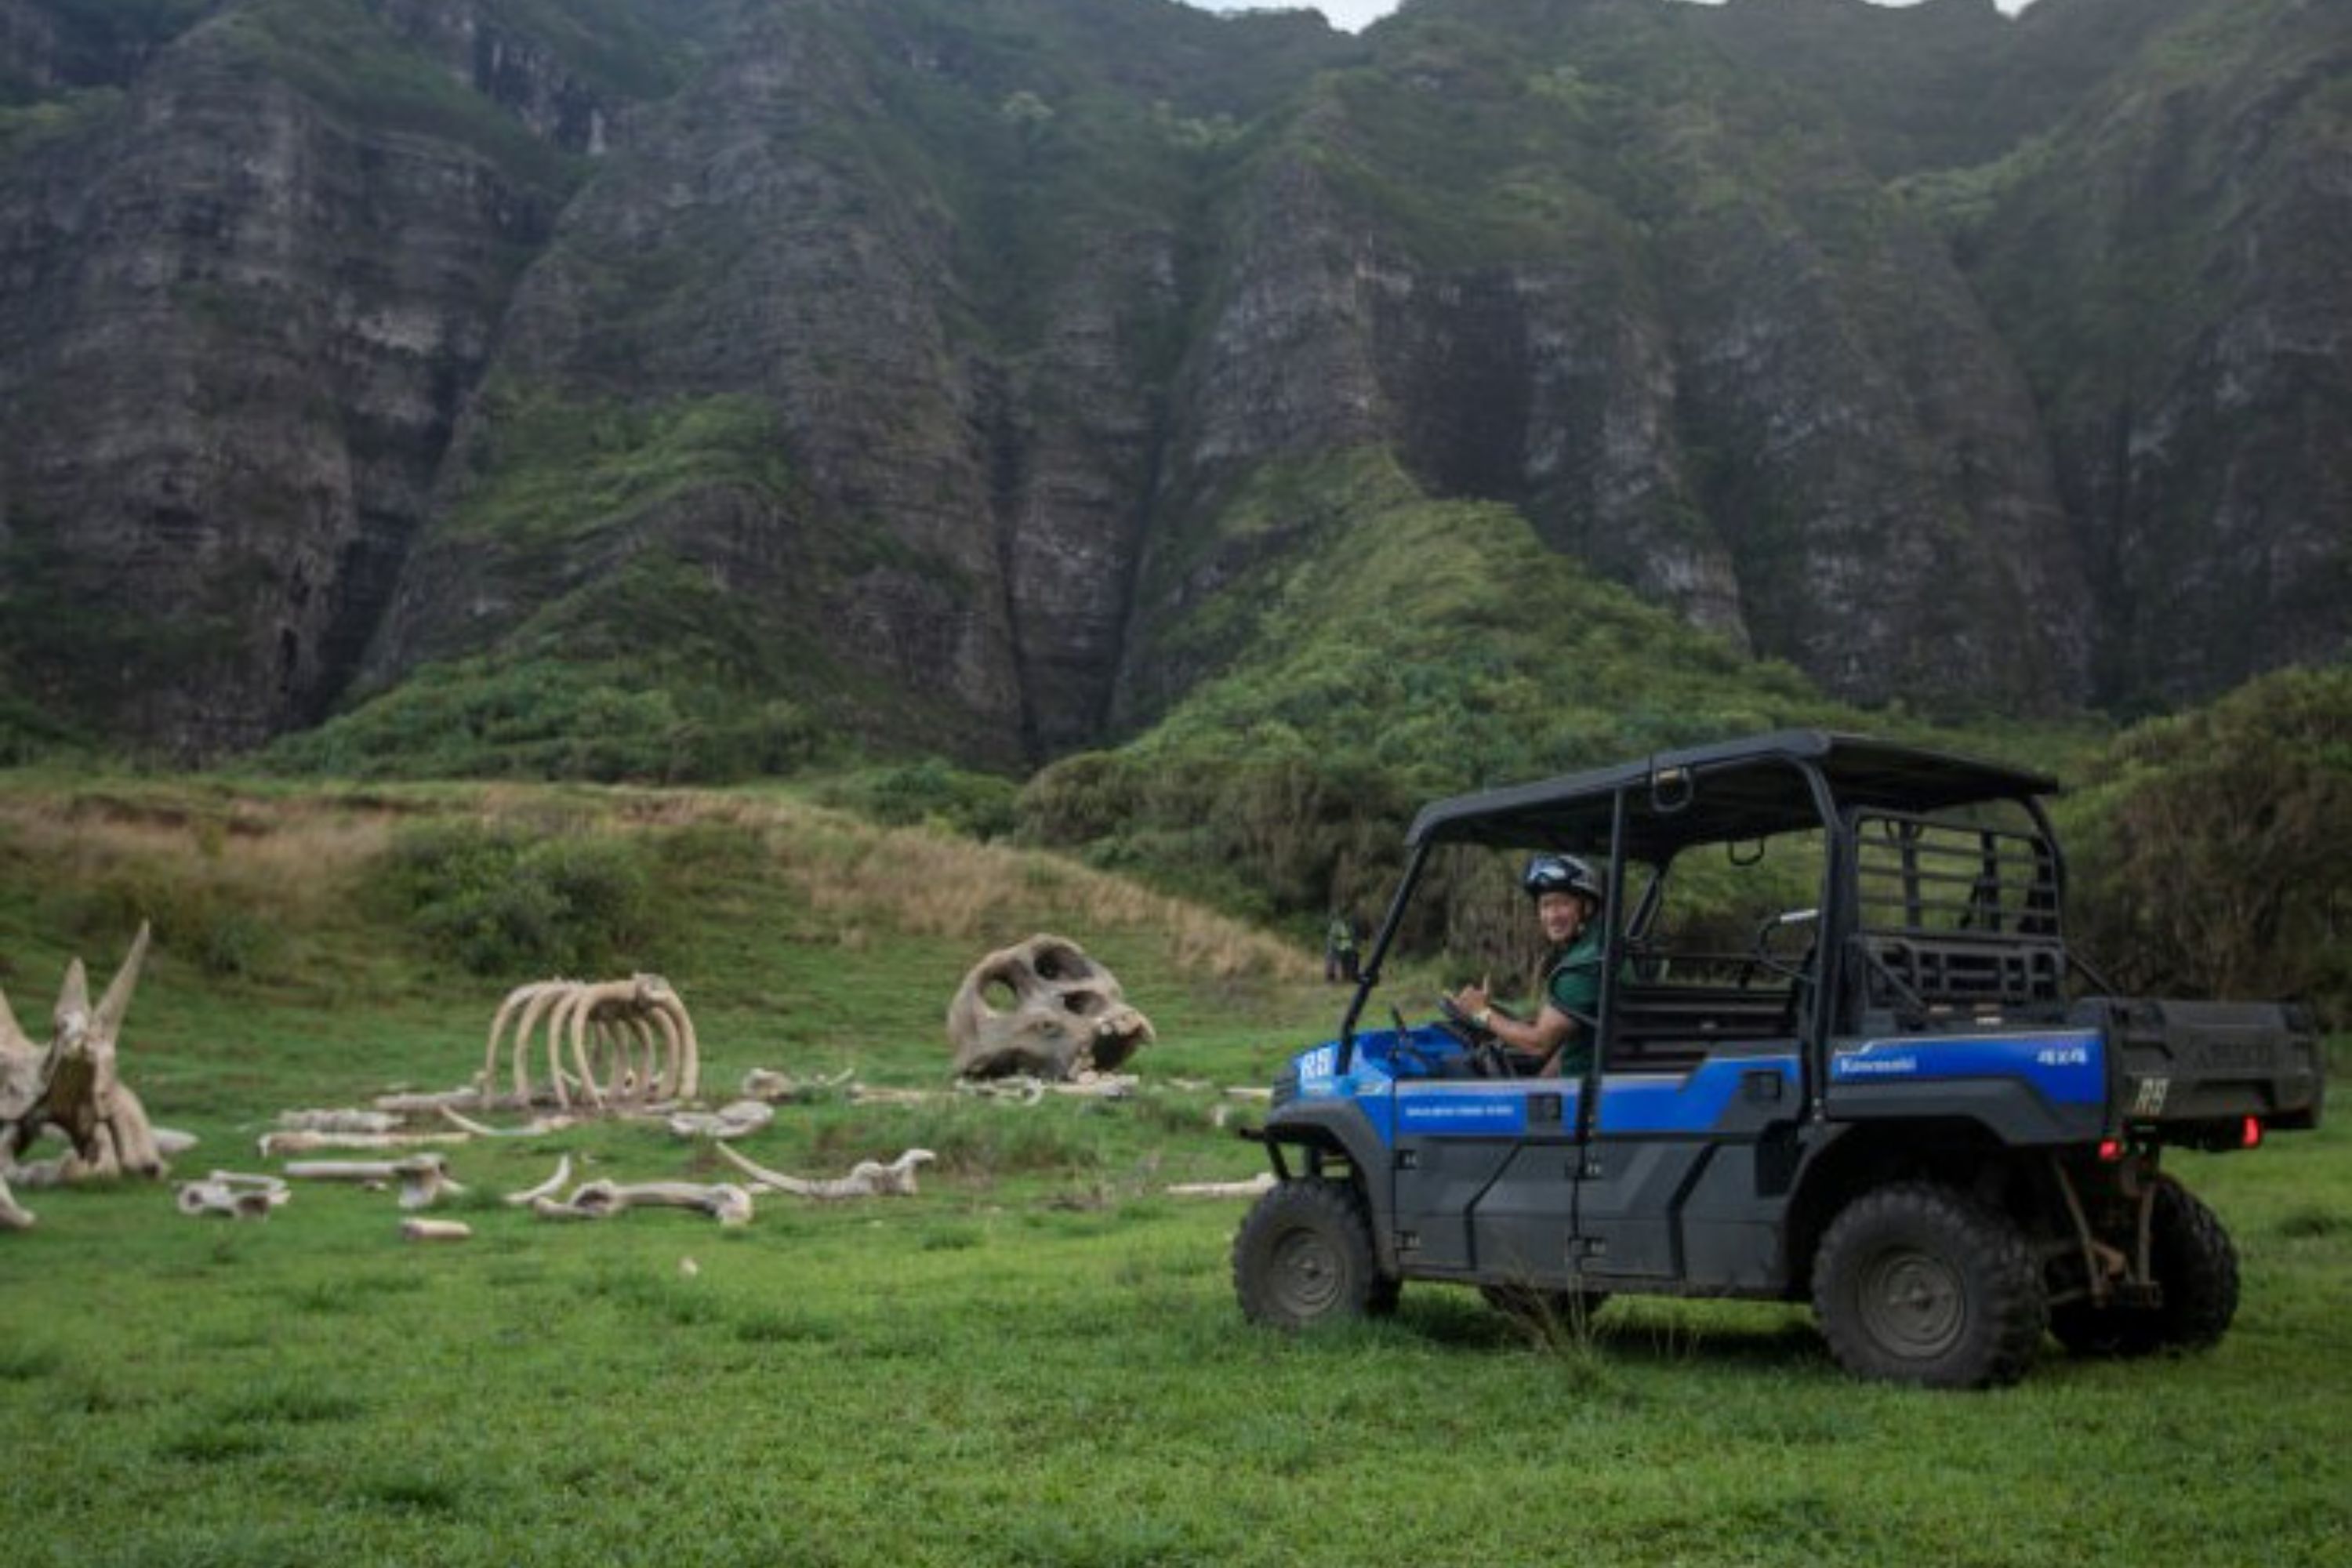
1558,1042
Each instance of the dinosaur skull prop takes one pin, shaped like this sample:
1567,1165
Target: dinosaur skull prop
1042,1007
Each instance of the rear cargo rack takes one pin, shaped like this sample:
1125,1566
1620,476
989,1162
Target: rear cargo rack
1956,916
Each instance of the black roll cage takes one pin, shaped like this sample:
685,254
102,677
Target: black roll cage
1730,793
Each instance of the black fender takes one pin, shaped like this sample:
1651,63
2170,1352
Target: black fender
1839,1162
1328,1130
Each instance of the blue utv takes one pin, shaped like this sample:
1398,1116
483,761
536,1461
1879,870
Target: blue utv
1842,1053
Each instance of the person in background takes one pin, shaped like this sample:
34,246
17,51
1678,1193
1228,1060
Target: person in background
1339,950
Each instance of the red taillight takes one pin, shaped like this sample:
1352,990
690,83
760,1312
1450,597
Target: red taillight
2252,1138
2111,1151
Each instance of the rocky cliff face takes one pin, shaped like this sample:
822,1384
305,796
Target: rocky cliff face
239,311
2170,266
1668,314
857,219
904,359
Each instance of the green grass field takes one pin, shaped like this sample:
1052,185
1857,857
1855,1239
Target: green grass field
1037,1361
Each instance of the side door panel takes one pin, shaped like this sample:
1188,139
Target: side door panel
1484,1176
1670,1180
1523,1230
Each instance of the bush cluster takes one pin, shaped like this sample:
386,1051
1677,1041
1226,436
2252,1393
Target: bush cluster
1266,836
547,718
498,902
225,931
979,806
2211,854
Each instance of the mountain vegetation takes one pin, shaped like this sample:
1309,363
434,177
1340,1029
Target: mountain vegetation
891,372
1185,439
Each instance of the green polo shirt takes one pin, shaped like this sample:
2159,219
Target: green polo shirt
1572,984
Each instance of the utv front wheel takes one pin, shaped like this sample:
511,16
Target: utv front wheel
1304,1257
1918,1282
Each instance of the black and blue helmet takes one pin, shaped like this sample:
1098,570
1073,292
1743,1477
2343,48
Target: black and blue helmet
1560,874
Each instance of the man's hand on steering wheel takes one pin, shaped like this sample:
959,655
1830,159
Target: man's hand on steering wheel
1461,1021
1486,1049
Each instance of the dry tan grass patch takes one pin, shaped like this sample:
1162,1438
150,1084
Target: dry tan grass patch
932,884
298,856
280,854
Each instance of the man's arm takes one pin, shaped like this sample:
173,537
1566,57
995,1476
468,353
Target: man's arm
1543,1035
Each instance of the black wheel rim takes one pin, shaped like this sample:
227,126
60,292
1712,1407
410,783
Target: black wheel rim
1913,1302
1308,1273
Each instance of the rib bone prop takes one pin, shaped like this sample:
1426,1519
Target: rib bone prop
628,1042
546,1189
538,1126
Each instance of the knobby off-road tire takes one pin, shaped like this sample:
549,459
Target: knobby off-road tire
1303,1256
1918,1282
2192,1258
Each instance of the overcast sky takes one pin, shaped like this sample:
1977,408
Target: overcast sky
1353,14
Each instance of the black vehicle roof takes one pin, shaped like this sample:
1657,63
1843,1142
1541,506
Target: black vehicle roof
1738,790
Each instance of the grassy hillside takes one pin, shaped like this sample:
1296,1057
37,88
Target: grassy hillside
1036,1361
1372,647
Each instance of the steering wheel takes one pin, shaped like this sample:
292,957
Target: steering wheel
1486,1051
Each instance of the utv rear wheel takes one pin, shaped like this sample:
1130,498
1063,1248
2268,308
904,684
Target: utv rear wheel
2193,1261
1304,1257
1918,1282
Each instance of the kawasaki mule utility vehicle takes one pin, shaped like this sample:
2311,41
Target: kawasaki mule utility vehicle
1841,1054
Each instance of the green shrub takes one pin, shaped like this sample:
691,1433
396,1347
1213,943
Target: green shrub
30,734
497,902
549,718
2210,856
223,931
980,805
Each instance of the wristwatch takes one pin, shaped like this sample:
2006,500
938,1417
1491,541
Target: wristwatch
1483,1017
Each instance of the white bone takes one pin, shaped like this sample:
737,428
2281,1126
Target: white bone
274,1144
338,1122
536,1127
237,1196
546,1189
769,1085
738,1120
422,1180
1261,1182
727,1203
866,1179
12,1215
